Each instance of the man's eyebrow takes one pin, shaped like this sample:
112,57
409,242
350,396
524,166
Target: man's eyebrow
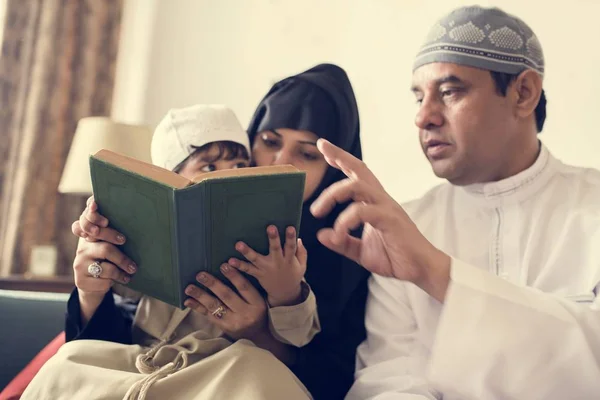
439,82
449,79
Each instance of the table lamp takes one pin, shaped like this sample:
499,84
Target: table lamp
93,134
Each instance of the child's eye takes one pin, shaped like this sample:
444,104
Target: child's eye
208,168
240,165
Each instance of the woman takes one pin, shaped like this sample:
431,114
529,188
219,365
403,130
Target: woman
319,101
296,111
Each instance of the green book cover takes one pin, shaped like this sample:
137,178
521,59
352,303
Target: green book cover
176,228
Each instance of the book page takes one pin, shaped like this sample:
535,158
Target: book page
250,171
150,171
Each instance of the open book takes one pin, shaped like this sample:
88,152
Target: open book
176,227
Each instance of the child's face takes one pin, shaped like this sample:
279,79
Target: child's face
208,160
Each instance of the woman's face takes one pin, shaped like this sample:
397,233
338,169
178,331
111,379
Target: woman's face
289,146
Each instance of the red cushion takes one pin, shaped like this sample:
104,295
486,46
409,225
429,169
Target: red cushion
17,386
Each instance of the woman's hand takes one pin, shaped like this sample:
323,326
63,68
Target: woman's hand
281,271
239,316
242,316
97,266
93,227
114,267
98,263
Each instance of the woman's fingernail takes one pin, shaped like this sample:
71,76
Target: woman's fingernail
234,262
202,277
132,268
120,238
239,246
225,268
189,290
94,229
291,232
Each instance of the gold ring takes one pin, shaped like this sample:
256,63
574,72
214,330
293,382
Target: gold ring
219,312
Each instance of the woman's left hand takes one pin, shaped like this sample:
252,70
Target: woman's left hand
242,316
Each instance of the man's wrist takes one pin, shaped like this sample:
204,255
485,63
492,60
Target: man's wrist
435,277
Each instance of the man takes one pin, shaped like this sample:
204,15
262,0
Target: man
485,288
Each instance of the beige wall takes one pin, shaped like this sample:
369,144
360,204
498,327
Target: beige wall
179,52
2,16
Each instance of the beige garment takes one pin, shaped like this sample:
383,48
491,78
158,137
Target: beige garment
91,369
294,325
179,355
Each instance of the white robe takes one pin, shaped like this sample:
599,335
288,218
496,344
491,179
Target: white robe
521,318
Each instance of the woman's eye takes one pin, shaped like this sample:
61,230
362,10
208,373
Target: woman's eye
309,156
240,165
208,168
269,142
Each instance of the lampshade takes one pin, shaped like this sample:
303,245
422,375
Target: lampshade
96,133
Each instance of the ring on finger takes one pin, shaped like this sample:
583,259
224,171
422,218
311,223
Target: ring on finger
95,269
219,312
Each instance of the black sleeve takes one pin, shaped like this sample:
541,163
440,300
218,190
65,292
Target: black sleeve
111,322
326,365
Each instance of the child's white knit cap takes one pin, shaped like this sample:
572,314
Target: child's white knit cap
183,130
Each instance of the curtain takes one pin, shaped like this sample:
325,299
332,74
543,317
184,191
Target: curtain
57,65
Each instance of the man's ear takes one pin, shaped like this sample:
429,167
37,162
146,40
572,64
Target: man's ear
526,91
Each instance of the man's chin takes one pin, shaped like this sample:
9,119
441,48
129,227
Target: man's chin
444,170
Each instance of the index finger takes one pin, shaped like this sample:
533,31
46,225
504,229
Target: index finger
110,235
343,191
221,291
351,166
243,285
107,251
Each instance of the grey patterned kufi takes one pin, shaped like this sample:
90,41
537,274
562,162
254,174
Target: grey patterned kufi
486,38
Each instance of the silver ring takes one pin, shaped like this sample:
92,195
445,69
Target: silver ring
95,269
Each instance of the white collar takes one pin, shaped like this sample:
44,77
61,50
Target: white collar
516,188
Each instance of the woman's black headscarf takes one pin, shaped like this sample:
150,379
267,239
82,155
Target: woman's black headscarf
321,100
